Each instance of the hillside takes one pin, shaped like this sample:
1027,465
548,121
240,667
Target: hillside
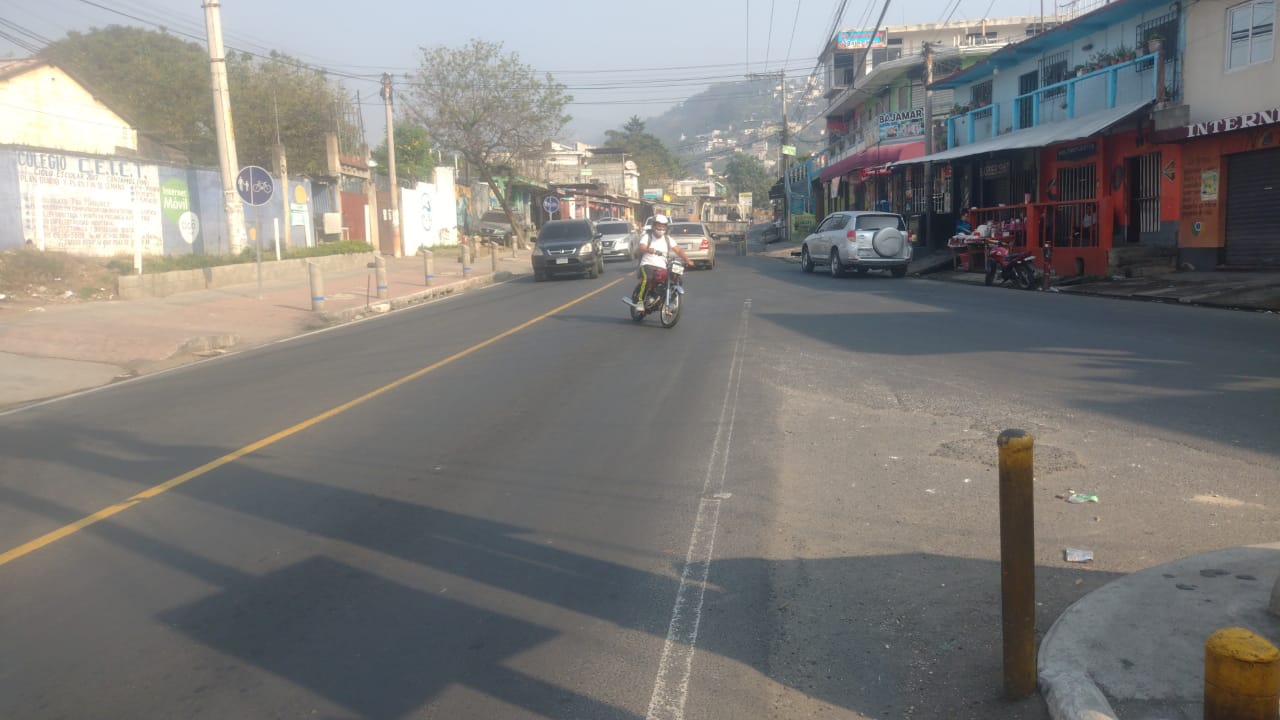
743,112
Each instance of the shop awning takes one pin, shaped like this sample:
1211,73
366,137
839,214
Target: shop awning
876,155
1039,136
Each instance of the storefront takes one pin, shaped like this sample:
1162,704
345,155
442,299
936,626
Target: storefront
1230,191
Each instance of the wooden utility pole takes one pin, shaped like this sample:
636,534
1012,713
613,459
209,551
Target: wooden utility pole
397,247
227,161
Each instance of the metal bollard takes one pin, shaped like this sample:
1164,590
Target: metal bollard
380,267
466,260
317,286
1017,562
1241,676
428,267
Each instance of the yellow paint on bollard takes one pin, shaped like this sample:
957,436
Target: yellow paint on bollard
1017,562
1241,676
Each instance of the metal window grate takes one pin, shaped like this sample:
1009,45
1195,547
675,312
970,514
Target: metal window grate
1148,192
1053,69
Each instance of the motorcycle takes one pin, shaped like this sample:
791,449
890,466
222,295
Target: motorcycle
1020,268
663,296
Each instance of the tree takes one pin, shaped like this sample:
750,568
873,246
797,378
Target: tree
154,80
745,173
415,158
488,107
658,166
280,94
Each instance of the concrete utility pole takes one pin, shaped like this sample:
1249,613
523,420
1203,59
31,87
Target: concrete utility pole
783,137
926,218
397,248
227,161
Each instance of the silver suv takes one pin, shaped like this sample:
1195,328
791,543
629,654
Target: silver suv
859,241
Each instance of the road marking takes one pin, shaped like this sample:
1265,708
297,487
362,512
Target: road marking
671,687
107,512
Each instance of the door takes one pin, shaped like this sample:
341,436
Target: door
1253,209
1027,82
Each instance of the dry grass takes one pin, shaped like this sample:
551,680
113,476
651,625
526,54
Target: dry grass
31,276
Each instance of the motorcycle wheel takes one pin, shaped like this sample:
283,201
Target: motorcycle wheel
991,273
669,314
1024,276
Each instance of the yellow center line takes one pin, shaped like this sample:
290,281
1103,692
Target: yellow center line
107,512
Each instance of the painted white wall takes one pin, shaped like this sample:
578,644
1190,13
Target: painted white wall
1209,89
429,213
44,107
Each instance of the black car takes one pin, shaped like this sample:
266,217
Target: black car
495,227
567,247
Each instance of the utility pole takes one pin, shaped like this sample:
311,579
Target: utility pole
783,137
926,218
227,161
397,248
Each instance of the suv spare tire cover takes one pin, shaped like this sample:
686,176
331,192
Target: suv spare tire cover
888,242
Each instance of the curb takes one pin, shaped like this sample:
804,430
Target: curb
416,298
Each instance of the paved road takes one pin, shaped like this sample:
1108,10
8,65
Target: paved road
489,506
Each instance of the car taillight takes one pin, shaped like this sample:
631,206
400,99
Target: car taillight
705,245
851,234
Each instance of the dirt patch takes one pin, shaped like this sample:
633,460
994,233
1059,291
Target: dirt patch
1047,457
31,277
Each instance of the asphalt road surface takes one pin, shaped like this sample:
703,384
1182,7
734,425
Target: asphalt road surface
517,503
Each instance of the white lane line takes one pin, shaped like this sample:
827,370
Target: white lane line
671,687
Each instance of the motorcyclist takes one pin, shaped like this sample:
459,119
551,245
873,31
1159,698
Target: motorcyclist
655,246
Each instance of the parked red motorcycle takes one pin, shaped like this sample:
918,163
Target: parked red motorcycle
1018,268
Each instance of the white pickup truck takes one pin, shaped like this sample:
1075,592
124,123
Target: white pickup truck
724,222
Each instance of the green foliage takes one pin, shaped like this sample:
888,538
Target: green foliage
657,165
161,84
488,107
280,93
156,81
415,158
745,173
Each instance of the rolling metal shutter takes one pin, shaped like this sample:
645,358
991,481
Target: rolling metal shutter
1253,208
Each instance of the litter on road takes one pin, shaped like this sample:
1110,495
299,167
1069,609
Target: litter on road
1078,556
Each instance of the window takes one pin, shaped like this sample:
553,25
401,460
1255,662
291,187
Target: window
1053,69
1252,33
981,96
904,98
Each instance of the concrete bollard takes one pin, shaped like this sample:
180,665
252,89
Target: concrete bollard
317,286
1241,676
493,258
428,267
466,261
380,267
1017,562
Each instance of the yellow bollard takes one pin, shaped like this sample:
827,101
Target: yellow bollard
1017,562
1241,676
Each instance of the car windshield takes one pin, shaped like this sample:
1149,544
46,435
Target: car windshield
614,228
688,229
562,231
496,216
877,222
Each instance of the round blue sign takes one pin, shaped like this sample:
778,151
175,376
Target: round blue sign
551,204
254,185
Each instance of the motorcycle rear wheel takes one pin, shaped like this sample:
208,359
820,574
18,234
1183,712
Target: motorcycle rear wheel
992,269
1024,276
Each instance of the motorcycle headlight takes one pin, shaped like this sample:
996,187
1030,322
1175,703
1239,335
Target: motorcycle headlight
586,249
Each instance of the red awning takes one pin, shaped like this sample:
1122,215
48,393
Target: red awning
875,155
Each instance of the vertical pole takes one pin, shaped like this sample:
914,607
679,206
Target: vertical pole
466,260
227,162
380,269
282,170
1017,563
316,276
428,267
396,248
786,174
926,230
275,223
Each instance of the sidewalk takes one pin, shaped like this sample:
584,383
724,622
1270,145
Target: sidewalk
53,350
1257,291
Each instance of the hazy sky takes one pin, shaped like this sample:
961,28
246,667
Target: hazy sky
618,59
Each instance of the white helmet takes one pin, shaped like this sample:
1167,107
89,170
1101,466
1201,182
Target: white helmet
661,219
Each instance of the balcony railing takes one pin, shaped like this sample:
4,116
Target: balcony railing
1124,82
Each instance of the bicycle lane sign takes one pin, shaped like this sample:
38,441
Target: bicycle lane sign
254,185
